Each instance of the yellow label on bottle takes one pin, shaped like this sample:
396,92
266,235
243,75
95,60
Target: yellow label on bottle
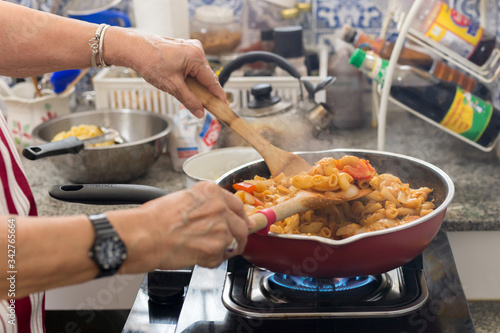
455,31
468,115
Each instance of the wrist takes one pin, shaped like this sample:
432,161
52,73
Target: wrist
131,225
117,40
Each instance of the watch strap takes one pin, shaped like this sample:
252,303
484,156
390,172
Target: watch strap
103,229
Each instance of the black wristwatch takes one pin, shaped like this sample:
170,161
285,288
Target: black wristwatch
108,251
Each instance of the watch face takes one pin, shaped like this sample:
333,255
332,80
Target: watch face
111,253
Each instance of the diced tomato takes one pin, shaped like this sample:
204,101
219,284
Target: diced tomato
250,188
362,170
258,202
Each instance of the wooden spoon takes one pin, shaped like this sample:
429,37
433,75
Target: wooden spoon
277,160
302,202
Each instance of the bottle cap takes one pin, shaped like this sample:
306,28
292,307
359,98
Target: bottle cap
289,13
357,58
304,7
349,34
288,41
214,14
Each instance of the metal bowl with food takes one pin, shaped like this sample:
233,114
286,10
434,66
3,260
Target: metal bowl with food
144,134
366,253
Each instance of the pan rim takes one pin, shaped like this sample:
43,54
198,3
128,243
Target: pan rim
440,209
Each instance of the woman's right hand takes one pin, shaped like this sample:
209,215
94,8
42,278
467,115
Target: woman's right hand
165,63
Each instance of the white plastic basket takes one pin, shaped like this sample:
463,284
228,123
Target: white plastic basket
113,91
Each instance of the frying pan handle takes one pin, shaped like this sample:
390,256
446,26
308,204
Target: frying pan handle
251,57
106,194
70,145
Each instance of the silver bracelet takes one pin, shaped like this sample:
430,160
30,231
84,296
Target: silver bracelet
96,46
101,57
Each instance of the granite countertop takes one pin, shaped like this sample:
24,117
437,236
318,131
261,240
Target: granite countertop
476,174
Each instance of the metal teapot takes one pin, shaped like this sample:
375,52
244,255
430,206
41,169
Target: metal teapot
283,122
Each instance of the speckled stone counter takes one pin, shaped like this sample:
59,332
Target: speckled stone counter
486,316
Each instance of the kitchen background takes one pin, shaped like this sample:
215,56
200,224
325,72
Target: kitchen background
329,17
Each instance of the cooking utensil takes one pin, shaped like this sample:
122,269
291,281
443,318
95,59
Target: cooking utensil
119,194
146,135
106,194
276,159
71,145
302,202
37,88
362,254
368,253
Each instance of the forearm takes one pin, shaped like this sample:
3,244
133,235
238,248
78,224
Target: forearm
52,252
177,230
59,43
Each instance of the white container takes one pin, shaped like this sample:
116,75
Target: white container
213,164
167,18
25,112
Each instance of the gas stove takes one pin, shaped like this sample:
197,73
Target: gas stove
424,295
255,293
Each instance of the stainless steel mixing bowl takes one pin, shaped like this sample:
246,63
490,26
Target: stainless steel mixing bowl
145,133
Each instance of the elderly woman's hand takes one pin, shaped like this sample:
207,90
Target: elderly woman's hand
165,63
203,225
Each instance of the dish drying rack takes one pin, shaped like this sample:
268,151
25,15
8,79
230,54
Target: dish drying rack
121,88
486,73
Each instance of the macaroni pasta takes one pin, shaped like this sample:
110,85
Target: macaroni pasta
391,203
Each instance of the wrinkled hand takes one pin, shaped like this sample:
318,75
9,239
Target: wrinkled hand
166,62
196,226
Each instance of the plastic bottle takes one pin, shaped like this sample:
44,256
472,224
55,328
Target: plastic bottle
409,56
442,102
383,48
457,32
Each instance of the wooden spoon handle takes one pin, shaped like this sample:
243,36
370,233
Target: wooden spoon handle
268,216
302,202
224,113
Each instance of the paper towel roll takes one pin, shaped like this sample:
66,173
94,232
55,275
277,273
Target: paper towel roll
169,18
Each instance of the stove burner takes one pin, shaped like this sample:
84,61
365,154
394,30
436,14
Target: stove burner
297,288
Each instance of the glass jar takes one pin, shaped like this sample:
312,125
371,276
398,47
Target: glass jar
215,27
